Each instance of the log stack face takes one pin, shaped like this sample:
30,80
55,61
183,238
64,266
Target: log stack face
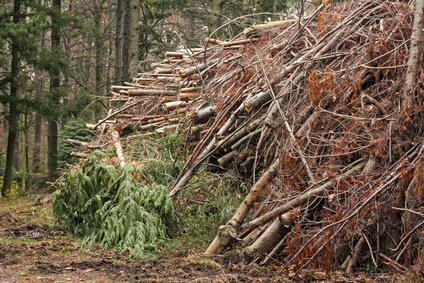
313,112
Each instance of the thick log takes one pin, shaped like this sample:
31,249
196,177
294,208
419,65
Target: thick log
196,69
272,235
118,147
235,222
300,200
77,142
257,101
178,55
155,92
202,115
169,106
224,160
79,154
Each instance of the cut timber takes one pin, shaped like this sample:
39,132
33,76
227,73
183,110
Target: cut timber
202,115
224,160
169,106
231,43
178,55
257,101
234,223
300,200
77,143
355,255
267,26
79,154
158,92
186,96
272,235
196,69
90,126
118,147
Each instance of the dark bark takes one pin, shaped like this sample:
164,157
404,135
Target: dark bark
13,105
54,88
119,40
100,51
133,50
36,159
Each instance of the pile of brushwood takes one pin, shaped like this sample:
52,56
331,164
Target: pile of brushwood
323,113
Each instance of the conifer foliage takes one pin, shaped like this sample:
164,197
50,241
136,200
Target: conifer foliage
102,204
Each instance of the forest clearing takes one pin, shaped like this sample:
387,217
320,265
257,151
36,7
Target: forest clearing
287,149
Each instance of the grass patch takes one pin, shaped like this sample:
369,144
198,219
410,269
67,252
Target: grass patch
208,201
18,240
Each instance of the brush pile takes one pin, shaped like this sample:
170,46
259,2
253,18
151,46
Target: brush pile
324,114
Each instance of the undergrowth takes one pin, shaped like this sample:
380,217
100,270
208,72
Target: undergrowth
126,210
130,210
206,202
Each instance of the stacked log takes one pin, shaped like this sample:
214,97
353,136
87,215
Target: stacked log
311,111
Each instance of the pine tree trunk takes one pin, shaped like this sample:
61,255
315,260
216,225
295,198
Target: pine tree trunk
54,88
131,38
100,50
13,109
134,38
119,41
26,177
36,159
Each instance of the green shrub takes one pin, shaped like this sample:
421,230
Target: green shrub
102,204
73,129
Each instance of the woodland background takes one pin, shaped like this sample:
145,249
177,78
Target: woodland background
59,58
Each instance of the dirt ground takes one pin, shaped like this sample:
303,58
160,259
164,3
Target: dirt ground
32,249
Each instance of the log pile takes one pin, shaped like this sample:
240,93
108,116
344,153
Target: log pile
323,114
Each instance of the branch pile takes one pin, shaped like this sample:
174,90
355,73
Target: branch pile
324,114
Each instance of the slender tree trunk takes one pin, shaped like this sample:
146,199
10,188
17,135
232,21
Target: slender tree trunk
36,159
100,50
119,40
126,41
414,56
17,155
133,49
26,177
54,88
13,109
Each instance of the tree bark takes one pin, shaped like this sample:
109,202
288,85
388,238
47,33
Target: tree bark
54,88
119,41
99,16
36,158
13,109
131,38
413,60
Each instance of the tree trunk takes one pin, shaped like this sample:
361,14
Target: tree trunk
54,88
100,50
119,41
36,159
26,177
131,38
13,109
413,60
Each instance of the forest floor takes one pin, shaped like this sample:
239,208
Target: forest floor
33,249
